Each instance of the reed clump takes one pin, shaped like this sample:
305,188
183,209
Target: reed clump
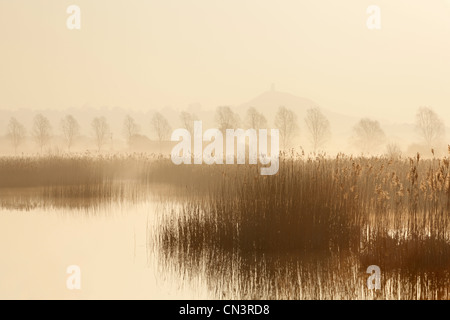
390,212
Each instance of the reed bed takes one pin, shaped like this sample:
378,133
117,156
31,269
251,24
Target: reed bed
85,180
233,222
391,213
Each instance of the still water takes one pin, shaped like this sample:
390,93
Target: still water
115,244
110,243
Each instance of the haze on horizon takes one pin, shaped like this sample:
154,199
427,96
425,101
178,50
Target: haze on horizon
150,54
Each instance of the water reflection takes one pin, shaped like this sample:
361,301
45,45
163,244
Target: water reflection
41,236
194,249
139,243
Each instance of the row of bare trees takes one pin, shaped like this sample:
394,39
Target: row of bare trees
225,118
367,136
285,120
42,131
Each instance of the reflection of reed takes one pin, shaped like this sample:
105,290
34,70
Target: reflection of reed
74,196
233,275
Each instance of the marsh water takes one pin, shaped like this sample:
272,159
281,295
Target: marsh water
109,241
115,244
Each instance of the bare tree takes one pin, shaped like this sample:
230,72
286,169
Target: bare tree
226,119
130,129
41,131
187,119
368,135
393,151
70,129
318,127
286,122
101,131
430,126
161,127
16,133
255,119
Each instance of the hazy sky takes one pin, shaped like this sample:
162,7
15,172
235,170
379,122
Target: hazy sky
153,53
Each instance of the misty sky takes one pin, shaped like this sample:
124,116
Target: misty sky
150,54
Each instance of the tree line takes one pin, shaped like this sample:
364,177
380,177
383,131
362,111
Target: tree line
367,135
